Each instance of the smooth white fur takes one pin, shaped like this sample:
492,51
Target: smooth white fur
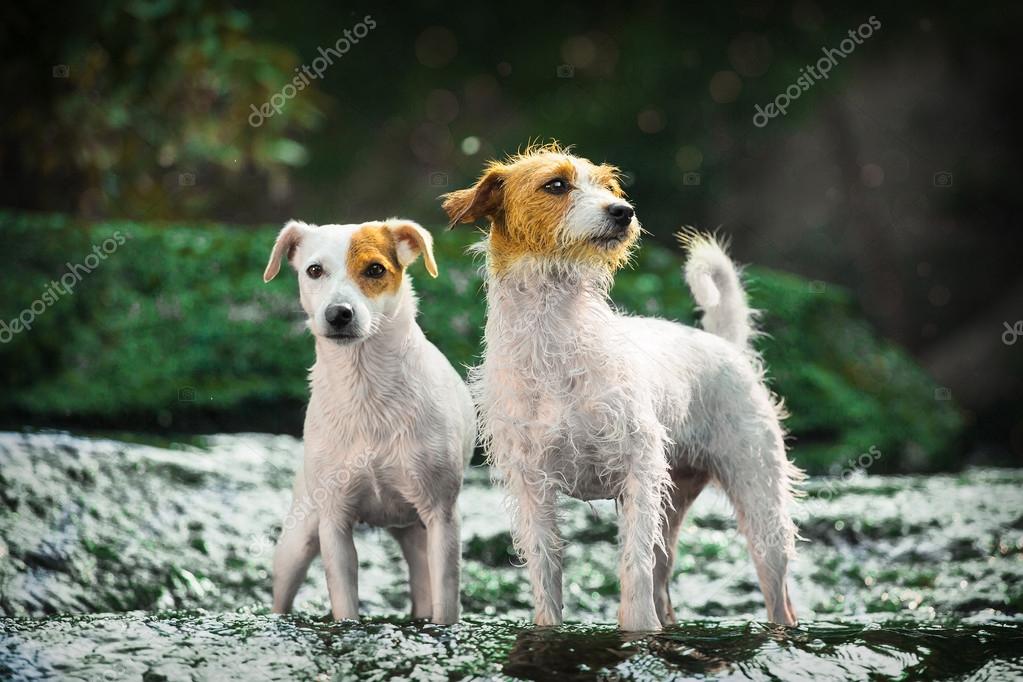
389,430
578,399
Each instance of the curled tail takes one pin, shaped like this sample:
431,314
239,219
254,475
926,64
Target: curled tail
714,281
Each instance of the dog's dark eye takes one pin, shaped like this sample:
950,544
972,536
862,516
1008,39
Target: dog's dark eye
315,271
375,271
557,186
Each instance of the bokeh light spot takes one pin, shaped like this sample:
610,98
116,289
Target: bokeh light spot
750,54
689,158
872,175
436,47
441,106
650,120
470,145
725,86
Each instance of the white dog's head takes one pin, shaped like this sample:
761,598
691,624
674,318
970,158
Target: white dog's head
351,277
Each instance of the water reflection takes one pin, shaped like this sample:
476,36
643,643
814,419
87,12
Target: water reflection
869,650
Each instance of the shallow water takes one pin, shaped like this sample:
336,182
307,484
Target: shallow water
189,645
124,560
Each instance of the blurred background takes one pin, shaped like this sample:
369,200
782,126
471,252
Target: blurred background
861,158
188,131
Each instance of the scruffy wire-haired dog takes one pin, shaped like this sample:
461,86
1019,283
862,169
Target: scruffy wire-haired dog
390,426
579,399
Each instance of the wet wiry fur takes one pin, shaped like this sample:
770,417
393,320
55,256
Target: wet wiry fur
390,425
575,398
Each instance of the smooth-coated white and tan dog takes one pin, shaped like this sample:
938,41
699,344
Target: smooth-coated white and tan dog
390,426
575,398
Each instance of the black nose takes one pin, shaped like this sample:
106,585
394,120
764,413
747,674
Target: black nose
621,214
339,315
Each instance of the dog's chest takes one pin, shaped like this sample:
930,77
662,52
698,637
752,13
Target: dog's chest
574,403
366,485
370,465
379,502
559,395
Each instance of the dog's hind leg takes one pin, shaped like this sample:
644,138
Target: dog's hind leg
760,489
688,485
413,542
297,546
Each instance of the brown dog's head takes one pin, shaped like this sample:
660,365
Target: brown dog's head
550,205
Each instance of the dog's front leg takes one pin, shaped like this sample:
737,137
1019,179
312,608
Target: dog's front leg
639,532
296,548
538,541
444,551
337,547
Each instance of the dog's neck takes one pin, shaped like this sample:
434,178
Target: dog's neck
542,312
537,286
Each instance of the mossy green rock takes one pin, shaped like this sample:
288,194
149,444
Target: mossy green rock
106,525
128,560
176,330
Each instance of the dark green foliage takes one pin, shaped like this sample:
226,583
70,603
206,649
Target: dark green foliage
150,108
176,328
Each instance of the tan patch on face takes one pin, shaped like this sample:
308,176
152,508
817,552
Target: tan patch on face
374,244
607,176
531,218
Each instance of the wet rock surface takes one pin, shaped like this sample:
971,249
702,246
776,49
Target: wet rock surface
144,560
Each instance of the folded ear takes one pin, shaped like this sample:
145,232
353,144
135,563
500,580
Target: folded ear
482,200
413,240
284,247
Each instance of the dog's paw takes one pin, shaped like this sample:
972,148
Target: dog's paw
545,618
639,622
786,618
445,614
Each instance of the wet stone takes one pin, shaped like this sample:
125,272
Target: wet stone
151,561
